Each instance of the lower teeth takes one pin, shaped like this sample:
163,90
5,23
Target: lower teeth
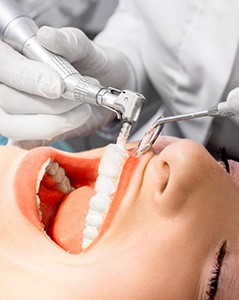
110,168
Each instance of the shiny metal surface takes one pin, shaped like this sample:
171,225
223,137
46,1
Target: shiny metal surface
220,110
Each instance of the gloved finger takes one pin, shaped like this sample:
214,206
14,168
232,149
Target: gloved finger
28,75
100,117
16,102
42,127
71,43
109,66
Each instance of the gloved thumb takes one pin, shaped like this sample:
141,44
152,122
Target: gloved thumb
233,101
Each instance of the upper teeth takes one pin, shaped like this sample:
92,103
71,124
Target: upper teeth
41,174
53,169
109,171
59,177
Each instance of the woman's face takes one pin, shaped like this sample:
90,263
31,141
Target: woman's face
173,226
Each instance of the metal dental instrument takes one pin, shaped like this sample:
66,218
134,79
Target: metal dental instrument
220,110
19,31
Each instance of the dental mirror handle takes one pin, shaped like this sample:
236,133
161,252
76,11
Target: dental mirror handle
222,109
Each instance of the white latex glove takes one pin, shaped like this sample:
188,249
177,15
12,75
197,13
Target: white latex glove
111,68
30,103
233,101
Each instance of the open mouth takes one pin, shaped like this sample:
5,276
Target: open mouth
61,194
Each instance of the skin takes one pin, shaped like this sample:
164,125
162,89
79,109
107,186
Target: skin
161,239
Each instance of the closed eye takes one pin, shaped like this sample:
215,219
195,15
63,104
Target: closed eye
213,282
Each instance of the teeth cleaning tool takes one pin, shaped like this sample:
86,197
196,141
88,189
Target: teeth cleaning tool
223,109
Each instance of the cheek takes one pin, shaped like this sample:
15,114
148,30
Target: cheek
164,257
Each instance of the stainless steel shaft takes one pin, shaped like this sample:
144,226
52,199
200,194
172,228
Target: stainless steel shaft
220,110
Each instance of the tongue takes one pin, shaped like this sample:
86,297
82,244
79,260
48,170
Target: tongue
68,225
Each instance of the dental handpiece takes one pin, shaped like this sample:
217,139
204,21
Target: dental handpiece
19,31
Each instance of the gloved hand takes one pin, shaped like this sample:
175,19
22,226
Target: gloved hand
109,66
25,113
50,120
233,100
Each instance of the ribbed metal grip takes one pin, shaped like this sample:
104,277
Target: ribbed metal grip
87,90
62,66
77,87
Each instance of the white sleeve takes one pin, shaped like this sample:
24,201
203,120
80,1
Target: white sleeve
198,49
187,49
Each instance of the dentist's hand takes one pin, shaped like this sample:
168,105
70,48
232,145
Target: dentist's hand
233,100
31,106
109,66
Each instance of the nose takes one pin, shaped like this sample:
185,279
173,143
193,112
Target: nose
187,159
188,166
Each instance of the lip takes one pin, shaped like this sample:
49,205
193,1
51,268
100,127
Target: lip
79,169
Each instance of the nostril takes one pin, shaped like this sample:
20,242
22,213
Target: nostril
164,177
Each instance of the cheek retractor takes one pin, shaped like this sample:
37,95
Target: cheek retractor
109,171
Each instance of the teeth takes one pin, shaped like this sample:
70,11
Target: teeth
90,232
41,174
100,202
65,186
39,206
94,218
109,171
86,243
110,168
39,179
57,173
104,185
52,168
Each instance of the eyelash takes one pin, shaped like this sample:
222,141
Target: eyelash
213,282
224,158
